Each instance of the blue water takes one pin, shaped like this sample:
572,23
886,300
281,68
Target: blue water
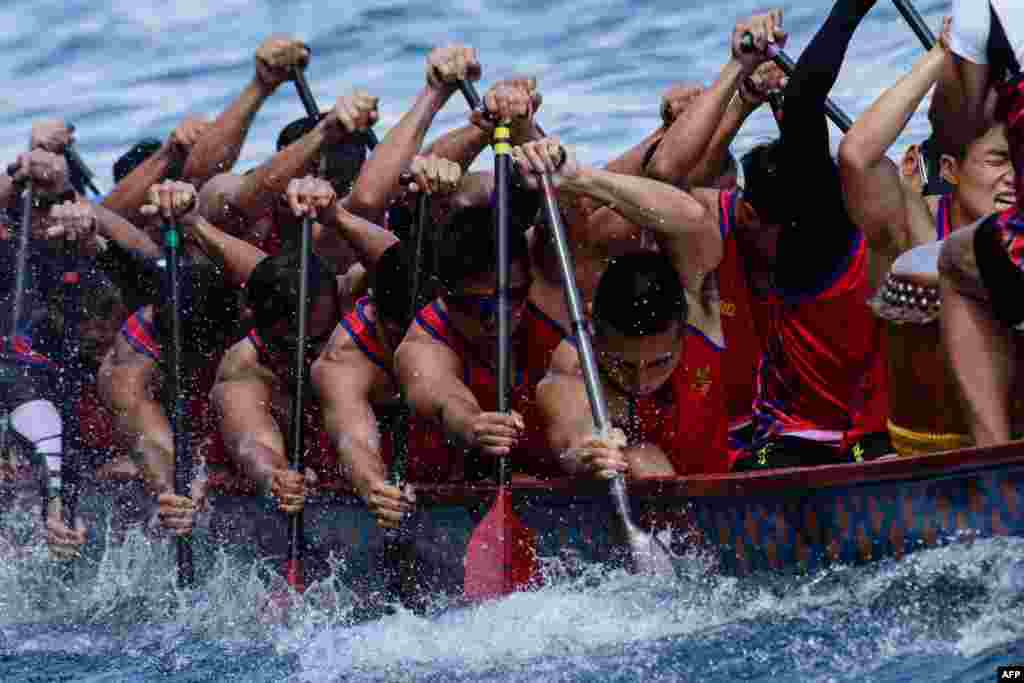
123,69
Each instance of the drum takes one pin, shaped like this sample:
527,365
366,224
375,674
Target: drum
927,413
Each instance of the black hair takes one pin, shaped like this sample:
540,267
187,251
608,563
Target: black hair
140,151
932,155
210,309
467,246
390,284
640,294
272,291
763,185
344,159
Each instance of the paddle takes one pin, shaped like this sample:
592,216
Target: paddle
647,554
70,385
179,418
75,159
917,23
500,556
834,113
294,570
308,101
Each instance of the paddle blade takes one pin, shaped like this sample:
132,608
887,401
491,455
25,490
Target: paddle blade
502,553
295,576
648,555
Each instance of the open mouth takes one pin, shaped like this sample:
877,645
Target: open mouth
1006,199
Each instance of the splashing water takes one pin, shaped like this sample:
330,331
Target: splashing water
949,612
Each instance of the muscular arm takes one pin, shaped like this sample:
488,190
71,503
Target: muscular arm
377,183
252,437
238,257
343,232
429,373
130,194
875,196
462,145
687,226
227,200
562,400
125,387
687,140
344,380
218,149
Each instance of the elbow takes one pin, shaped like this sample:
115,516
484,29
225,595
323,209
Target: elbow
368,199
852,156
663,170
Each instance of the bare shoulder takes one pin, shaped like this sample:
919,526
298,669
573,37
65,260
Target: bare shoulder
241,362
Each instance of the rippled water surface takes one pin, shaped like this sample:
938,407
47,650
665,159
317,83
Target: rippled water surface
121,70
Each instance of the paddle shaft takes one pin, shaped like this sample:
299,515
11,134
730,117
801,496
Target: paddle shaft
75,159
21,263
295,573
917,23
70,382
832,111
179,419
502,176
588,359
312,110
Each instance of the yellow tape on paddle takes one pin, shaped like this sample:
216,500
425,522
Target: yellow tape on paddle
501,136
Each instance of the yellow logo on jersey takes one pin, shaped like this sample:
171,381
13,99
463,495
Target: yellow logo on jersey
728,308
702,380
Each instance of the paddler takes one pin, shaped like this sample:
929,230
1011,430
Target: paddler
896,218
131,376
355,375
981,266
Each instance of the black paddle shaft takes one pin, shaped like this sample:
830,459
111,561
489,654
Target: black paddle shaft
502,176
70,382
176,399
917,23
312,110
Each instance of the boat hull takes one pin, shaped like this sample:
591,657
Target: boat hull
794,520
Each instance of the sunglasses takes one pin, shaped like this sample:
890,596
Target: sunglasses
485,306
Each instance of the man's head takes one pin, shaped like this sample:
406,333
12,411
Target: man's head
1010,111
639,318
390,284
102,313
763,185
140,151
344,159
209,311
467,251
981,174
272,293
920,168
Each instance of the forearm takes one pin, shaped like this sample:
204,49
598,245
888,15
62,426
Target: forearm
462,145
688,138
124,233
8,191
218,149
259,190
709,168
818,66
130,194
876,130
145,427
369,240
358,446
631,162
257,461
648,203
958,109
238,257
377,184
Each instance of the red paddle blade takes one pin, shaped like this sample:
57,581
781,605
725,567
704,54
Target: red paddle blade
502,553
295,576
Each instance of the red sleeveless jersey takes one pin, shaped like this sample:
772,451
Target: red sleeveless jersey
686,418
822,373
743,319
531,456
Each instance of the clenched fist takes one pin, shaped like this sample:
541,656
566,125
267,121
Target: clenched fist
277,57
